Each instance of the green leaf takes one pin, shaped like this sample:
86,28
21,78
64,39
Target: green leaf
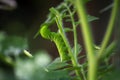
82,56
90,19
68,29
79,49
56,64
58,75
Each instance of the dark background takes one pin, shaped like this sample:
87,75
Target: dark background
26,18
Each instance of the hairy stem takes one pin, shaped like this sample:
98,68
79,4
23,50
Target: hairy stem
74,32
62,32
75,38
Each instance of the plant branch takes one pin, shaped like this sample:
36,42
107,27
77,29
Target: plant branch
62,33
110,49
109,28
74,32
75,38
88,39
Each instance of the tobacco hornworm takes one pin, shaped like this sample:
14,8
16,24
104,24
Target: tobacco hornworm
57,39
56,14
55,36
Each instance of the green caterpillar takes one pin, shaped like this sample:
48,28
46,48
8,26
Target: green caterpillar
57,39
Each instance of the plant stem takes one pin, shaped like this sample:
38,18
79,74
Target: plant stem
109,28
110,49
75,38
62,32
74,33
88,40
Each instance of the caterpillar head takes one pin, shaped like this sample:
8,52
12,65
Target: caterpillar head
45,32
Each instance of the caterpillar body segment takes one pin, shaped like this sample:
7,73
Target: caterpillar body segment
62,49
57,39
45,32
